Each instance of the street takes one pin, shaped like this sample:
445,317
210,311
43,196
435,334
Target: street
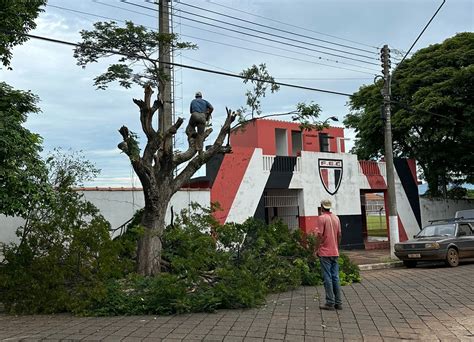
429,303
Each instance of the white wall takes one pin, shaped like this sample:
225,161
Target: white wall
117,206
435,209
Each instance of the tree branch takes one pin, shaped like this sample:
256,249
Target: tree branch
204,157
147,111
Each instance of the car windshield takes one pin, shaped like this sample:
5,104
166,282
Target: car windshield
438,230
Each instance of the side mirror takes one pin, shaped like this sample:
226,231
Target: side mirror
414,236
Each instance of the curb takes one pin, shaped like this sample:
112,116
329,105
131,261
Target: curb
380,266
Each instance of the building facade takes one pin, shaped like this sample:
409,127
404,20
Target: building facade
277,171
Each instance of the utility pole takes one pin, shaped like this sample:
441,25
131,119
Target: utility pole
164,89
392,198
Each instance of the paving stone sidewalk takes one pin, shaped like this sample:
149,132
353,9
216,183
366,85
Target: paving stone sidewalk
432,303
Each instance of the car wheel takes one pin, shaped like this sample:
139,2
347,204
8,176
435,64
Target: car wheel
409,263
452,257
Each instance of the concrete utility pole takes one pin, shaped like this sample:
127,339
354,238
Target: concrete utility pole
165,113
392,198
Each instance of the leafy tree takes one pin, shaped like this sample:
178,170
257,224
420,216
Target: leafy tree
22,172
432,113
65,254
17,19
156,164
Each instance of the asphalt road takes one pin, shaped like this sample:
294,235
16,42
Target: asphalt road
429,303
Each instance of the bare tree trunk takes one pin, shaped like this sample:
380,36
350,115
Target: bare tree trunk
153,222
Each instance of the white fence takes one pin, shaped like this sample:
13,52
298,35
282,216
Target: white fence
436,209
117,206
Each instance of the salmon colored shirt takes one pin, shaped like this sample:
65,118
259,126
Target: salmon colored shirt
329,231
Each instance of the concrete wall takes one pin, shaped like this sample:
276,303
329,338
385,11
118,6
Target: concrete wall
117,206
434,209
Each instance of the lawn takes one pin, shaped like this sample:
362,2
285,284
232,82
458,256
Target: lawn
376,226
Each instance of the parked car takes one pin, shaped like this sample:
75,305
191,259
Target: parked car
446,240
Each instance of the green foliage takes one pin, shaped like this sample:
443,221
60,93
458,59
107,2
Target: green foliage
67,262
65,254
17,19
22,172
236,269
261,80
132,43
348,272
432,113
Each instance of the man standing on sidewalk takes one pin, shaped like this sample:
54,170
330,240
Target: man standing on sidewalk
327,248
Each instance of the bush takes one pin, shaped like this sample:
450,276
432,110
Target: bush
68,263
234,267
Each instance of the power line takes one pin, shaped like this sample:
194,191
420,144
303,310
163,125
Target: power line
372,72
411,109
291,25
426,26
63,42
253,35
287,57
277,29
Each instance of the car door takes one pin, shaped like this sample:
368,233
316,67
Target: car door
465,240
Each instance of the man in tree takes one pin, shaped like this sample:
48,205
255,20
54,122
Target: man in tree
201,111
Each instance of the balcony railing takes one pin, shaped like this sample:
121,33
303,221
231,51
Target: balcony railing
281,164
372,168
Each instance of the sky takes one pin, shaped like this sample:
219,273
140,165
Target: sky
75,116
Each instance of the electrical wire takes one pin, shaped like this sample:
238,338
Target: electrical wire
426,26
277,29
291,25
372,72
253,35
63,42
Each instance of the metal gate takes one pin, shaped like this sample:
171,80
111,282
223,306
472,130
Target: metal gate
284,208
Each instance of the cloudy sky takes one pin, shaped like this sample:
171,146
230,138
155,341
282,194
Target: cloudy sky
325,44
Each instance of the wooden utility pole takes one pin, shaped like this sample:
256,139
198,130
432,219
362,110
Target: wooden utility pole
391,191
165,113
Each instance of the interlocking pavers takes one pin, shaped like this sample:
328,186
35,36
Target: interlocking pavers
421,304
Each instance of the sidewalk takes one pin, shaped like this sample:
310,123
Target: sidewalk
374,259
421,304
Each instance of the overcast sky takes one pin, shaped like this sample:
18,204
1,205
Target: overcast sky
77,116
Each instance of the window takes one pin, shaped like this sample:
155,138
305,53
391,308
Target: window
324,142
281,142
465,228
296,142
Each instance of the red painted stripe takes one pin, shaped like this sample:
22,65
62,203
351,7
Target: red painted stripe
325,176
412,166
228,180
372,171
308,224
402,234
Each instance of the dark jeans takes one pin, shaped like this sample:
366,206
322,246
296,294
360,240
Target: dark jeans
196,120
330,269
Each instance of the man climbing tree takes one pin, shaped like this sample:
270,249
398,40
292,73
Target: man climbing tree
200,111
155,166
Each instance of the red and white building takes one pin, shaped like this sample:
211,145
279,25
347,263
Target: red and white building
276,170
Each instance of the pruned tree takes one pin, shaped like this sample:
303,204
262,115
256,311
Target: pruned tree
156,165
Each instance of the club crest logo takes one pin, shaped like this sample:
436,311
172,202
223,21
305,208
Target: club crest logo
330,172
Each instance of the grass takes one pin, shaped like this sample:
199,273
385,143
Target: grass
376,226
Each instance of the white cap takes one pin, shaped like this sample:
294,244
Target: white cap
198,94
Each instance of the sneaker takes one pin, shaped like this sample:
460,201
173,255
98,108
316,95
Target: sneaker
338,306
327,307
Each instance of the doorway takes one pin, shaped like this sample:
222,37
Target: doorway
374,217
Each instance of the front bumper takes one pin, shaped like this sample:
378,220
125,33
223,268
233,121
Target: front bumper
431,255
